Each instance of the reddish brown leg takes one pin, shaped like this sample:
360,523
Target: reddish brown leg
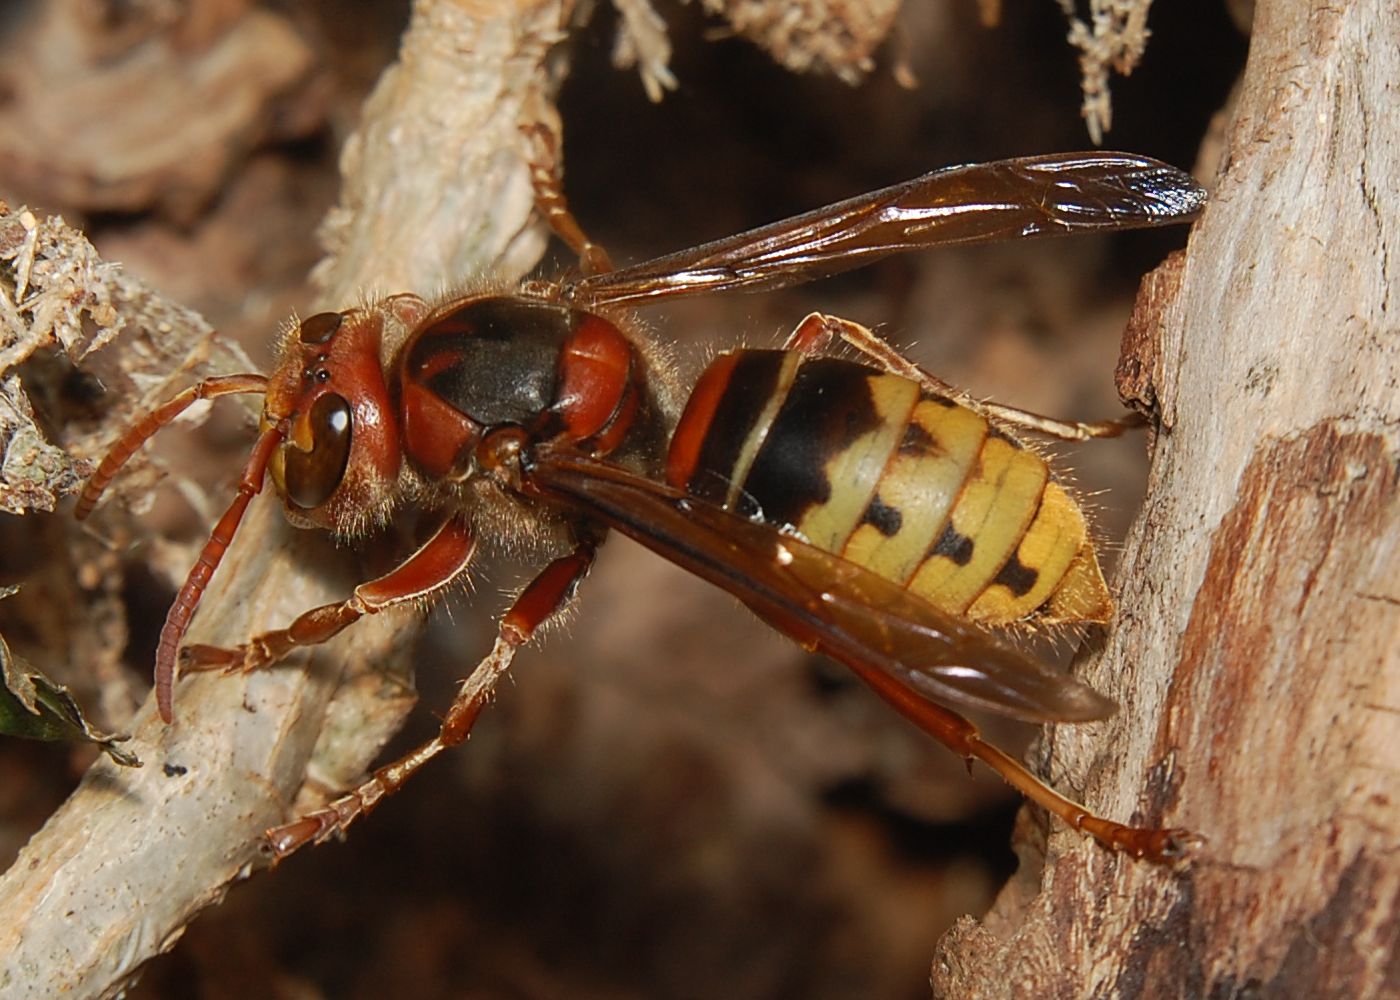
551,203
186,602
136,435
960,736
440,560
546,594
815,333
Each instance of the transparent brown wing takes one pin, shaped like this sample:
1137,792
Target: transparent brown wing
824,602
1034,196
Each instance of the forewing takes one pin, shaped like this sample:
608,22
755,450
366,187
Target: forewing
1033,196
822,601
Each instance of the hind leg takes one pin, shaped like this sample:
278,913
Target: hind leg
815,334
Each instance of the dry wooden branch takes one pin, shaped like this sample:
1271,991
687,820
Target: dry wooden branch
436,190
1257,651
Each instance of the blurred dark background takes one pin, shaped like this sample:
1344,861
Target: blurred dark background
668,801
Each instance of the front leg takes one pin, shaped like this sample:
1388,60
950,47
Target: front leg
441,559
546,594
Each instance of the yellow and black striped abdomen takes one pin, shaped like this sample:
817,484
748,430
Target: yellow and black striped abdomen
911,485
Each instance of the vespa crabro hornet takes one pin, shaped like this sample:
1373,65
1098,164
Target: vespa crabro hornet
867,510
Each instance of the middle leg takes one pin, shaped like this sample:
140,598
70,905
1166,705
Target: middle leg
545,595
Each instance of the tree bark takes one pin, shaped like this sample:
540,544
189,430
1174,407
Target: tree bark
1256,654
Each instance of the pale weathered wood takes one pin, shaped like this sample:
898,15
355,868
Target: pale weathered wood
133,856
1257,651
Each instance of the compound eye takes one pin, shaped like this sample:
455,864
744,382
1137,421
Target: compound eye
319,328
312,476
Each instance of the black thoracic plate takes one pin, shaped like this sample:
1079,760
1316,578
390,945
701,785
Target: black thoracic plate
494,359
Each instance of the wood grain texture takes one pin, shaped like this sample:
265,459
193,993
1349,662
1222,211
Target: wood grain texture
133,856
1257,650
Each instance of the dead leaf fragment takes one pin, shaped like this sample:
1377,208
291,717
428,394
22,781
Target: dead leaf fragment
33,707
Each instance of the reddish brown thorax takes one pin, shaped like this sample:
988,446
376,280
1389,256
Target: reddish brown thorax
565,376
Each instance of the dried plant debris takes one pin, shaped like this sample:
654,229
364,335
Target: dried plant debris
33,707
1114,37
60,300
54,292
52,280
33,473
840,37
642,42
826,36
833,36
